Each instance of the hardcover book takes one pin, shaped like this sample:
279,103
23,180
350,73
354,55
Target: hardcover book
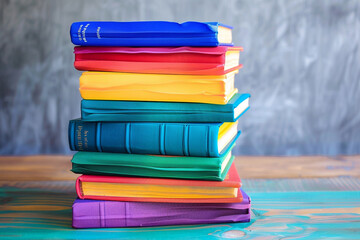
157,87
199,168
159,189
107,214
166,60
150,34
134,111
182,139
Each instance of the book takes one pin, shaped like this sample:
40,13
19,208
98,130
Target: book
150,34
136,111
101,214
139,189
157,87
181,139
166,60
199,168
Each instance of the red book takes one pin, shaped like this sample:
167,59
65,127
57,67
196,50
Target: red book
160,189
165,60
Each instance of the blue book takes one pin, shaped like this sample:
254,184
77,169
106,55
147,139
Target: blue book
181,139
133,111
150,34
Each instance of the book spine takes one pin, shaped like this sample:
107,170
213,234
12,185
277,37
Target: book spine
110,34
145,138
78,188
82,32
84,136
215,117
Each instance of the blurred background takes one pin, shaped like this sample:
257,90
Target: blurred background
301,65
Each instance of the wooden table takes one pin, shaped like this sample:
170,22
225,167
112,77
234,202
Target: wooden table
292,197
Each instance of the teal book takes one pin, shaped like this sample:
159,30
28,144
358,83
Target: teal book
134,111
181,167
181,139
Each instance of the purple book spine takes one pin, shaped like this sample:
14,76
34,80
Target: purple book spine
101,214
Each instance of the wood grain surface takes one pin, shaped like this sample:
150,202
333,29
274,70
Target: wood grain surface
292,197
298,167
42,210
57,168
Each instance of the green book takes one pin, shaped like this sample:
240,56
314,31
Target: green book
159,166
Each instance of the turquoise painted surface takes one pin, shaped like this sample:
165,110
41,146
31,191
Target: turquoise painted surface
31,212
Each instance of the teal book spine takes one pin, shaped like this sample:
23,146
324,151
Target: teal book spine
181,139
137,111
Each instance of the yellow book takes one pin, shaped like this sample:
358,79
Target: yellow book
157,87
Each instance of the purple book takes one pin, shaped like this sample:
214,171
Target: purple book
102,214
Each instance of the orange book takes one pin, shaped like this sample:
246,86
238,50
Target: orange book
160,189
215,89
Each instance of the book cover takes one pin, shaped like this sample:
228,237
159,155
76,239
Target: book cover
157,87
166,60
199,168
150,34
137,111
139,189
107,214
182,139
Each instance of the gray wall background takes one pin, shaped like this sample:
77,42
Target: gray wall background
301,65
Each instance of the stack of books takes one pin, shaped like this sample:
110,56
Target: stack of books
158,124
